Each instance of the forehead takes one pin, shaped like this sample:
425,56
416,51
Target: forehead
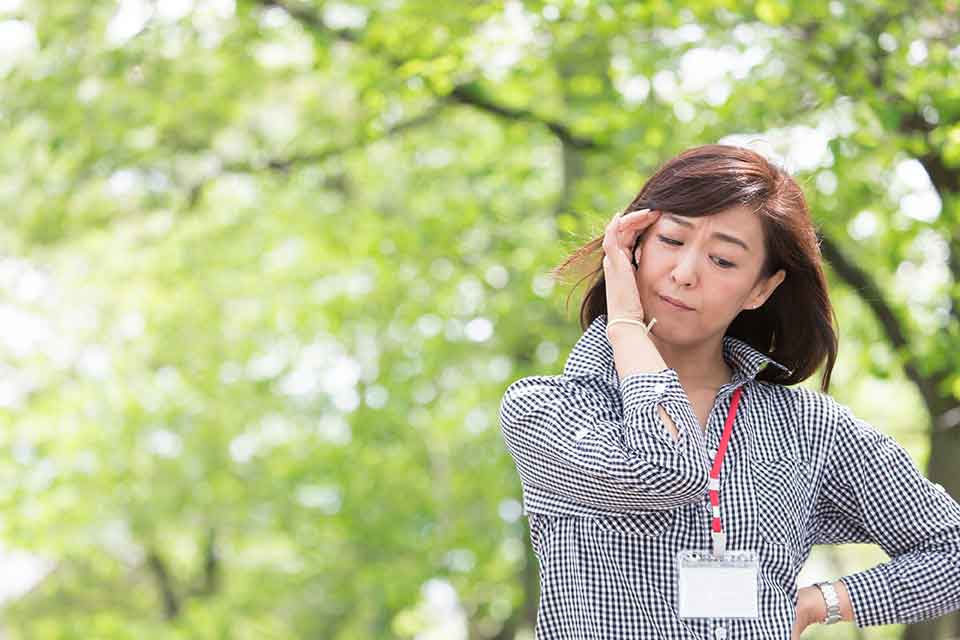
739,222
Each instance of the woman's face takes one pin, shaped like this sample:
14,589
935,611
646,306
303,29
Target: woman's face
710,264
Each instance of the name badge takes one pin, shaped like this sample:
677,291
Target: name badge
724,586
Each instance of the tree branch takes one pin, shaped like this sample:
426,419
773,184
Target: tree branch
171,601
866,287
467,93
209,581
470,94
283,165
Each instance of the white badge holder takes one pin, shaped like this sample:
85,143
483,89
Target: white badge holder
718,586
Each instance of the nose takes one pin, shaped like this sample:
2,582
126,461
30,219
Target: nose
684,273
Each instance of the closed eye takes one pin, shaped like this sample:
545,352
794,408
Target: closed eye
726,264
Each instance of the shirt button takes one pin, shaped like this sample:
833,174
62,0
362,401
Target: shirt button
939,487
581,434
659,388
720,633
713,452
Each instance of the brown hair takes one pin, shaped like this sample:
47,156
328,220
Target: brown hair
796,325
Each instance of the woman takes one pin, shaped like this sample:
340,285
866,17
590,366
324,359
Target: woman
674,439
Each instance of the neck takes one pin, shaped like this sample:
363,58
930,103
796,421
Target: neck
699,367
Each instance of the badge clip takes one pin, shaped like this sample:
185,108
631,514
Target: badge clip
719,543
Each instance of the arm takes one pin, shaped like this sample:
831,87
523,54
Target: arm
873,492
568,436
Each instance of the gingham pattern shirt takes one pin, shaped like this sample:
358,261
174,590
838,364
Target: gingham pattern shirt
611,498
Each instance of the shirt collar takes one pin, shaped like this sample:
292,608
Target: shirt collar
593,355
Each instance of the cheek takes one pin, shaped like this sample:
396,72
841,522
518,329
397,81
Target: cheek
723,295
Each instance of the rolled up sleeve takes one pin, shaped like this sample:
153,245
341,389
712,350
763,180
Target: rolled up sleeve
602,446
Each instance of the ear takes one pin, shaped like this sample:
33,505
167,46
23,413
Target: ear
764,289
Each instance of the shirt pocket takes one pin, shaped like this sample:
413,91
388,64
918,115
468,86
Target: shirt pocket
782,490
646,524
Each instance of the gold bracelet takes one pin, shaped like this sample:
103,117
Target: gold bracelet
646,327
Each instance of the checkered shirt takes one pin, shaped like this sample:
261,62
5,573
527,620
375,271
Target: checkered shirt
611,498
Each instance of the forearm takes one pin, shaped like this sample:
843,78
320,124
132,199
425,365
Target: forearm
634,352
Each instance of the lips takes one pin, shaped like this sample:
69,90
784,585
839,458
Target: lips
677,303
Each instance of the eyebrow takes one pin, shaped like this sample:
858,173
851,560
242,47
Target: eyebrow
716,234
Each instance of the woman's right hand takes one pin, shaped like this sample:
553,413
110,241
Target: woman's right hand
623,301
619,274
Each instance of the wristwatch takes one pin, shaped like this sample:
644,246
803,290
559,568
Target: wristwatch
832,600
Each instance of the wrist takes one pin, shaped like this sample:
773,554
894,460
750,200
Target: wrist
629,320
635,353
623,332
811,607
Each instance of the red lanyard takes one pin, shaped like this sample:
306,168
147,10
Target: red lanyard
719,536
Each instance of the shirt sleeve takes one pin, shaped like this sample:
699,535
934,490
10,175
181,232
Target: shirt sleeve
603,446
873,492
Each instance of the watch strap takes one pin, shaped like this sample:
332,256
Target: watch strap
833,602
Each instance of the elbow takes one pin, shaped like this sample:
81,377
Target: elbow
519,398
692,486
510,411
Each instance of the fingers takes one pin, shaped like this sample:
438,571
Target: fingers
614,254
635,213
638,220
630,226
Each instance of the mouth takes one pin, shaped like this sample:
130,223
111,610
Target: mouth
676,303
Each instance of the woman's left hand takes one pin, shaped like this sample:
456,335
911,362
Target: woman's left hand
811,609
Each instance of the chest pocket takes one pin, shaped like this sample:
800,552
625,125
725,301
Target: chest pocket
782,488
648,524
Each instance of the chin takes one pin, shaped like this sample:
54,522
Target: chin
677,333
